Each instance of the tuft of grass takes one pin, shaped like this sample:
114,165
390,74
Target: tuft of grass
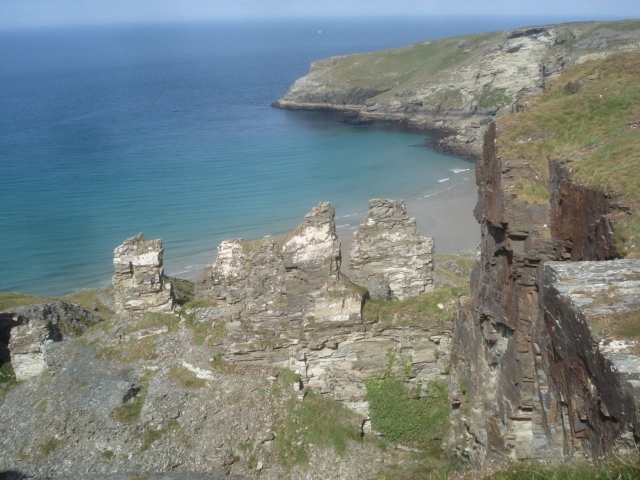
7,380
205,333
624,469
130,411
406,417
495,98
314,421
90,300
185,378
48,447
131,351
107,454
531,193
416,310
151,436
619,325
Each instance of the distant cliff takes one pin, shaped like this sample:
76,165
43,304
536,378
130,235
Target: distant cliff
455,85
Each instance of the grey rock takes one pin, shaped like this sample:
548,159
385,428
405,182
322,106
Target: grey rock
139,277
389,255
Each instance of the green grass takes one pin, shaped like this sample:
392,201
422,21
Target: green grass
416,310
107,454
619,469
89,300
14,299
48,447
405,418
316,421
403,66
205,333
7,380
150,436
130,411
186,378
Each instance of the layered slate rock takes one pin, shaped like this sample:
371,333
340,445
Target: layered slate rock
588,357
138,282
388,255
283,302
295,279
34,328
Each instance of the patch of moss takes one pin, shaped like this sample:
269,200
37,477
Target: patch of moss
150,436
406,417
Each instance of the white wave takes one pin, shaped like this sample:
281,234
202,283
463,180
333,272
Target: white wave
459,170
344,226
442,180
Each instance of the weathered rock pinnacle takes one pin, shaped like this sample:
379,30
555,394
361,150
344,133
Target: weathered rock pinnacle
388,256
138,282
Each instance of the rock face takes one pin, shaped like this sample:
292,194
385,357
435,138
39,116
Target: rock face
138,281
295,280
521,370
283,303
485,76
587,358
388,256
30,330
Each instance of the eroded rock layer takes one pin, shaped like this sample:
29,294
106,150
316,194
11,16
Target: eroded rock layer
282,302
525,371
138,281
388,255
587,358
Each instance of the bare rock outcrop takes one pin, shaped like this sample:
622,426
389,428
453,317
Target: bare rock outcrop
287,282
30,330
138,282
284,303
524,368
587,358
388,255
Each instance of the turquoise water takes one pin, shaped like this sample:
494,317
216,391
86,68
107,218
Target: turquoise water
167,130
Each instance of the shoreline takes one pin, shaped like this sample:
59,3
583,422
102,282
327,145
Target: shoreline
446,215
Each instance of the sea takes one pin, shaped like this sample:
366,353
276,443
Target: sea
167,129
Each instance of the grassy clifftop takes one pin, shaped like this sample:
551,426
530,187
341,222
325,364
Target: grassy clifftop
590,117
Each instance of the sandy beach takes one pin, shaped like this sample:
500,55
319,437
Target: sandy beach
447,216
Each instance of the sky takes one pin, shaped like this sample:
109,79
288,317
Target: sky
38,13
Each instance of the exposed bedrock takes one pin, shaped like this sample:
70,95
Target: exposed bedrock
138,282
507,377
283,302
588,357
27,332
388,256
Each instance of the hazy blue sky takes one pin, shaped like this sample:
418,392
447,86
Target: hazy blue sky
21,13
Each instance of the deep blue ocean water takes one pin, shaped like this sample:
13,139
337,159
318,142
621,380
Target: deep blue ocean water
167,130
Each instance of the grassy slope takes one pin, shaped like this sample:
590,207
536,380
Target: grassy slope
590,117
401,68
